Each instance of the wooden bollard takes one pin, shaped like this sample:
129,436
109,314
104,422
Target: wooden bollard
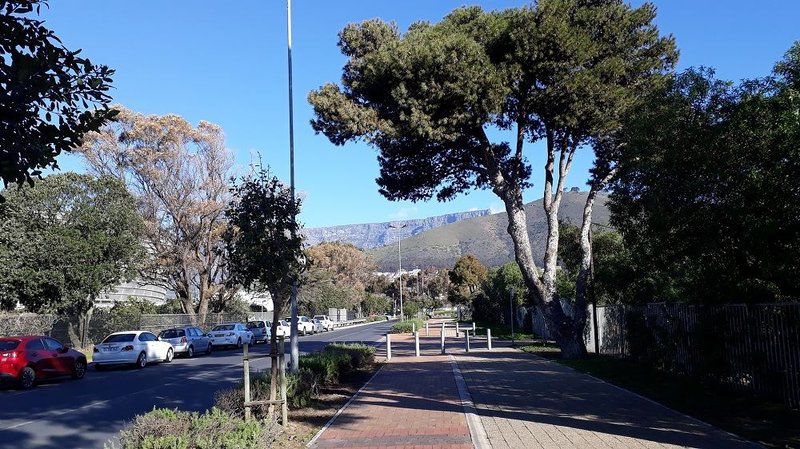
416,343
489,339
442,336
427,330
473,328
413,328
388,346
456,329
466,339
246,363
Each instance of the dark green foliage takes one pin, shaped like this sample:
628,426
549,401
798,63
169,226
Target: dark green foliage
613,269
328,366
214,429
405,327
263,240
425,97
360,354
465,279
45,94
708,192
65,240
492,304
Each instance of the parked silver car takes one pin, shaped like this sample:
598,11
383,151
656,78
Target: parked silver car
262,330
187,340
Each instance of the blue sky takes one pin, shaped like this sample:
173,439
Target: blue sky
226,62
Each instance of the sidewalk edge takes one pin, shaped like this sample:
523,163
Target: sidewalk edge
476,430
339,412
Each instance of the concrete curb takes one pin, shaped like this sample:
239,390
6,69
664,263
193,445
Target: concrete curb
476,430
342,409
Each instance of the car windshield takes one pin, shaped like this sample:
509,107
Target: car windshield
223,327
172,333
254,324
284,323
8,345
119,338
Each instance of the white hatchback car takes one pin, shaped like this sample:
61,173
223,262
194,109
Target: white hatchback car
131,348
231,334
282,329
326,322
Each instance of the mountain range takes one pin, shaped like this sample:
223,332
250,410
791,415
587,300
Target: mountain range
439,241
374,235
485,237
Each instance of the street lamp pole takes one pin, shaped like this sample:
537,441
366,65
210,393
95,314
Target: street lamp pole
293,343
400,267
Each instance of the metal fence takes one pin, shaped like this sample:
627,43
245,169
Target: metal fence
84,331
749,348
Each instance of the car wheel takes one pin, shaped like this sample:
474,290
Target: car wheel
239,343
141,362
170,355
190,352
209,349
79,369
27,378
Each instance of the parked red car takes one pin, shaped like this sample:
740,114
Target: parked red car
27,359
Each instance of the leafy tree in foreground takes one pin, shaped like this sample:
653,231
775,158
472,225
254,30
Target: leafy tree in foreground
561,71
264,245
707,194
65,241
45,93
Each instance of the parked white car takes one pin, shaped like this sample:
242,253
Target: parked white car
282,330
327,324
231,334
305,325
131,348
318,326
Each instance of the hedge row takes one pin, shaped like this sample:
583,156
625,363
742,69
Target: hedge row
316,369
407,326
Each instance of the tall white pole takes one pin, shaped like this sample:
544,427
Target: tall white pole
293,343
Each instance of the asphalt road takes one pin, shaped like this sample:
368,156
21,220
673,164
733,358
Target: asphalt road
66,413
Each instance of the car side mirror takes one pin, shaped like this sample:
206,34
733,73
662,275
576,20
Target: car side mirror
63,349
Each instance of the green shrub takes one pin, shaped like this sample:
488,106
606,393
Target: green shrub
360,354
328,366
214,429
301,387
404,327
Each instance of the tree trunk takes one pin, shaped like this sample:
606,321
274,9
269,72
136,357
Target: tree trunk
567,333
277,308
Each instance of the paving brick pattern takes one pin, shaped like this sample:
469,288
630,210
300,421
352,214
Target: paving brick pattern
411,403
528,402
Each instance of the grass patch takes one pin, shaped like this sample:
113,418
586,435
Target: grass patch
757,419
503,331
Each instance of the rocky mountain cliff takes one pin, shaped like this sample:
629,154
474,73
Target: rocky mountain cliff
485,237
373,235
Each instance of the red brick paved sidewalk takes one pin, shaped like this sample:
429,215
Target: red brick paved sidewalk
410,403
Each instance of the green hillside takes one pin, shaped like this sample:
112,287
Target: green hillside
485,237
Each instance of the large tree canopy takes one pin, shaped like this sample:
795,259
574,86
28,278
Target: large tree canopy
45,94
707,194
180,175
66,240
562,71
